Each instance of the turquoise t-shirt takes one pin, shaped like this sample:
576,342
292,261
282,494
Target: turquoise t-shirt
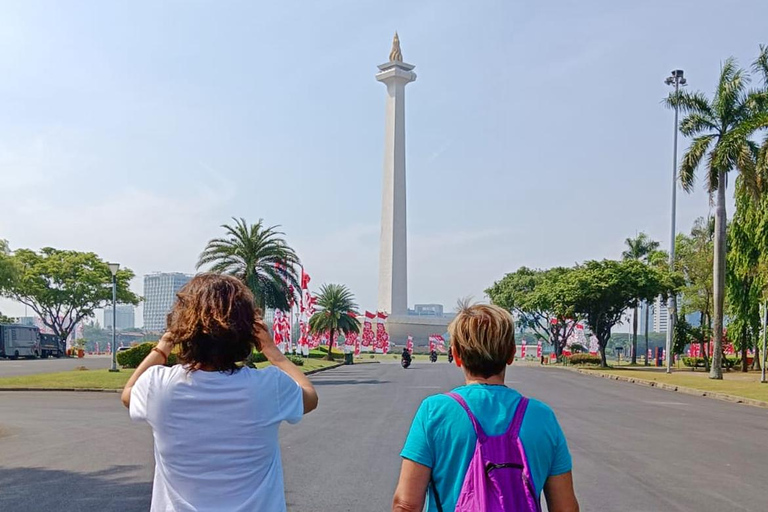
442,437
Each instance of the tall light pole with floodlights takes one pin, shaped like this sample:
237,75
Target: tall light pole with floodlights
114,267
677,79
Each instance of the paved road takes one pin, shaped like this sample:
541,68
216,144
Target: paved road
635,449
12,368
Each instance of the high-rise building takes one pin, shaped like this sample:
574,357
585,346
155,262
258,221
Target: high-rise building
124,317
660,315
160,290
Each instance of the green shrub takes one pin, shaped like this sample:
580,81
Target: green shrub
297,360
584,359
132,357
693,362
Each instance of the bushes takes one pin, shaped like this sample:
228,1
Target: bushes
584,359
698,362
297,360
132,357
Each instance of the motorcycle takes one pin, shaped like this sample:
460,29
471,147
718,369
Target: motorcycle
405,362
433,356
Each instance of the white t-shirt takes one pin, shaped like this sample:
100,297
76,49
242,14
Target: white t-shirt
216,443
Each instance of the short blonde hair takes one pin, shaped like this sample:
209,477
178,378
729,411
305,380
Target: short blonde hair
483,336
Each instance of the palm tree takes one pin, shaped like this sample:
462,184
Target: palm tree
336,311
639,248
258,256
719,132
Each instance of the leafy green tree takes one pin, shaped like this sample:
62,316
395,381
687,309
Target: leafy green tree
336,312
5,319
721,130
602,290
260,257
639,249
65,287
694,260
536,299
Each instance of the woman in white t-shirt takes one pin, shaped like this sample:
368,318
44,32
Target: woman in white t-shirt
215,423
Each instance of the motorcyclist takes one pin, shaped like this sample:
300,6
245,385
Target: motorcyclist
405,358
433,356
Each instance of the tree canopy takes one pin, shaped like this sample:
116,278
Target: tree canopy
259,256
64,287
336,312
536,298
601,291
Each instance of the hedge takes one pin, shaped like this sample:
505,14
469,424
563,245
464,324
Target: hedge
132,357
584,359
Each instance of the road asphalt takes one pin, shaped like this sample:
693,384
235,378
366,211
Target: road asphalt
635,449
14,368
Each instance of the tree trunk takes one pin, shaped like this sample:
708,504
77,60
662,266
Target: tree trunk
603,362
756,360
329,357
744,368
634,337
718,280
647,317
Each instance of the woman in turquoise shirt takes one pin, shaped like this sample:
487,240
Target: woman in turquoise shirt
442,439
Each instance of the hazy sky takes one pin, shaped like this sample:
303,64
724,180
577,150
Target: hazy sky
535,130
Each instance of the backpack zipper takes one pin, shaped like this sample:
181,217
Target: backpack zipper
491,466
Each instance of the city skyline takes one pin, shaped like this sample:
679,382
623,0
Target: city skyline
188,148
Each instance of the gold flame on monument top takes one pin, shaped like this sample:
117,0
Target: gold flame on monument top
396,55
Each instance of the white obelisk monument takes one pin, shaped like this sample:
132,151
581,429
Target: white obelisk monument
393,257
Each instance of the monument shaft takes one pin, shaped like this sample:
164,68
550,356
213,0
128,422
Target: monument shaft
393,256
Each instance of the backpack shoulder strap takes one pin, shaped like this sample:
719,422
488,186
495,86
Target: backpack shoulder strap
517,419
476,424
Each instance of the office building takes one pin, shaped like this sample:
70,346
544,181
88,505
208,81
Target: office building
660,315
124,317
160,290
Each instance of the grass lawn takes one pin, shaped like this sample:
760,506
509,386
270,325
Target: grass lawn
103,379
745,385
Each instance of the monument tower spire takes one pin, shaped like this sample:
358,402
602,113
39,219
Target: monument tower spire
393,256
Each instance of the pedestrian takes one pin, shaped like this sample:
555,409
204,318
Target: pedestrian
215,422
484,447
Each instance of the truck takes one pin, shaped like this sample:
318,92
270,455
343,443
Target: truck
51,346
19,341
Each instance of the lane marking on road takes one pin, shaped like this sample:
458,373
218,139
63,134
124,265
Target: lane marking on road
654,402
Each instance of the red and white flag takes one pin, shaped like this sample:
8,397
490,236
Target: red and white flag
369,338
522,350
409,344
538,350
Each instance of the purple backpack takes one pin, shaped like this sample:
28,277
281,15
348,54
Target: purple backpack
498,479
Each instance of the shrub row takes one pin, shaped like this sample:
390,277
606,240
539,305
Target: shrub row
132,357
584,359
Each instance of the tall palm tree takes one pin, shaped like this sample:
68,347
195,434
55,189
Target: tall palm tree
719,134
336,311
259,256
638,248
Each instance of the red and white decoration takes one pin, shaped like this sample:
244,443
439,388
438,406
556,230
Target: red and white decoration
369,338
409,344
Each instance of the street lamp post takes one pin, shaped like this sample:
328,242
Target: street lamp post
114,267
677,79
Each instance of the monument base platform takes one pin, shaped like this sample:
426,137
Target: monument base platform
419,327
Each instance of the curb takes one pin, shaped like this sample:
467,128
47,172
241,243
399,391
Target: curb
312,372
99,390
671,387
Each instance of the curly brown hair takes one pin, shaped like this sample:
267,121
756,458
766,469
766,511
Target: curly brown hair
213,323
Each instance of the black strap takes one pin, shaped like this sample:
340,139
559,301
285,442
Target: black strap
437,498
